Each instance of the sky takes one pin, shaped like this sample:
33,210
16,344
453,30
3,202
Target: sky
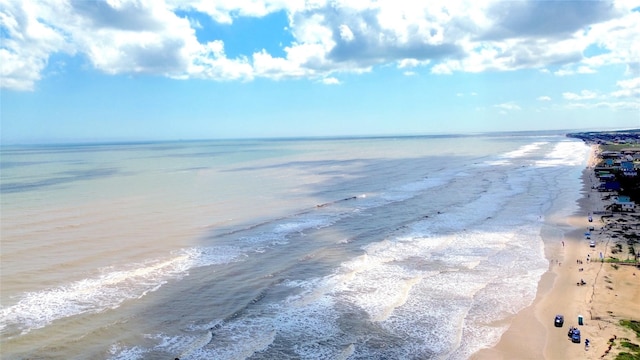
118,70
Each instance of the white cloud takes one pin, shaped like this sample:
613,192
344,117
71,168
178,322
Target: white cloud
629,88
573,70
446,68
210,62
224,11
408,63
619,38
265,65
345,33
25,51
509,106
629,84
544,98
585,70
412,63
149,36
584,95
330,81
626,98
613,105
563,72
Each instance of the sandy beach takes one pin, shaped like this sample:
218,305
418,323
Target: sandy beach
610,294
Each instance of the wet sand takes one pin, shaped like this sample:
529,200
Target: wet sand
610,294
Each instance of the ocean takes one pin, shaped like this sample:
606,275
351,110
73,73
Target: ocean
353,248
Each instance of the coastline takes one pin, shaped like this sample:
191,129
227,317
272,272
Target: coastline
610,294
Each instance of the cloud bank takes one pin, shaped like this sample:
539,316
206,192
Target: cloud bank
329,38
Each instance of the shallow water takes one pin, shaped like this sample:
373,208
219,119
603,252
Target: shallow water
414,247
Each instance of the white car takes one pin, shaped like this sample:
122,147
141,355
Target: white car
592,243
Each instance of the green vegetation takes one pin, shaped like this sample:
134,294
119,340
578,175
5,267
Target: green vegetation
631,346
633,325
627,356
617,147
615,262
632,350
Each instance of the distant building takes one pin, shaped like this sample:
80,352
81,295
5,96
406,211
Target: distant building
610,155
624,203
609,186
626,166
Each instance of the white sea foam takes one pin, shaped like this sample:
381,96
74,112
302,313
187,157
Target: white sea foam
196,345
123,353
244,346
301,225
279,233
524,150
202,345
410,190
566,153
393,284
108,290
112,288
509,157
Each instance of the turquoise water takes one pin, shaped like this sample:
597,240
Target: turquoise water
407,247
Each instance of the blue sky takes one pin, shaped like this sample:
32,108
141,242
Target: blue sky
146,70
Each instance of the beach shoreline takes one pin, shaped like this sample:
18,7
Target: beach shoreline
609,295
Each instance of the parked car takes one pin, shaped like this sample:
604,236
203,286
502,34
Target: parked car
592,243
559,321
575,336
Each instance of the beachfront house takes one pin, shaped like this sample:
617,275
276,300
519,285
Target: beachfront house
628,169
610,155
626,166
624,203
609,186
